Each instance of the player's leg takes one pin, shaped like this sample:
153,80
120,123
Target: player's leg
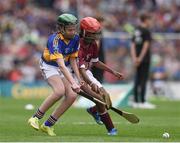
100,110
58,92
105,117
100,114
53,77
70,97
93,110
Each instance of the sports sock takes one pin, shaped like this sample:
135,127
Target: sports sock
106,119
51,121
38,114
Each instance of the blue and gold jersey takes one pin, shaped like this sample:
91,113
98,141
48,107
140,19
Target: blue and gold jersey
58,47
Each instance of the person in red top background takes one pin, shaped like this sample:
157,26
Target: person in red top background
90,30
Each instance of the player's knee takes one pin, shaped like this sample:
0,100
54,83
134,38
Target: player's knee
72,96
58,93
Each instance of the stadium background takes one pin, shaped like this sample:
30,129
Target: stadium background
26,24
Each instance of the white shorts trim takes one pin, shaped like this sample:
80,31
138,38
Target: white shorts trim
93,79
95,60
83,66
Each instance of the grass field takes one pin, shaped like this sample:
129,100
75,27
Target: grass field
77,126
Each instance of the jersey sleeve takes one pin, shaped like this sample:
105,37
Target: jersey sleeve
81,58
54,48
147,36
95,53
136,35
75,53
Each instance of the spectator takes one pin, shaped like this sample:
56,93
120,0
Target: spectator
141,55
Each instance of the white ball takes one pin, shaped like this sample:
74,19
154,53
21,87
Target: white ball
29,107
166,135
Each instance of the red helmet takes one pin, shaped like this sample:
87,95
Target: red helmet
90,24
90,29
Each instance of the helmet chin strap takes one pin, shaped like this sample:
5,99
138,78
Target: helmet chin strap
84,33
63,30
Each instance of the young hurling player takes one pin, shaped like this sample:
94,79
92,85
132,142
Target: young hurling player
57,62
90,30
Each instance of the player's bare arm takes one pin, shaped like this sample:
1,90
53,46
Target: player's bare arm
88,80
88,90
68,76
103,66
73,62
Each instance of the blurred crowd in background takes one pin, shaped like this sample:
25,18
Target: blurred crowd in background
26,24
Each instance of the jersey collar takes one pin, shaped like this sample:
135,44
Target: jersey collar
63,39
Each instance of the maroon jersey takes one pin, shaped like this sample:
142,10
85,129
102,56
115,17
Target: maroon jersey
87,54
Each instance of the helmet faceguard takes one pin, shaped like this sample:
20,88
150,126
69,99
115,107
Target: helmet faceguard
90,29
92,35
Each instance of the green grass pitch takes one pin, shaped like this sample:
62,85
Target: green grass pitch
77,126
